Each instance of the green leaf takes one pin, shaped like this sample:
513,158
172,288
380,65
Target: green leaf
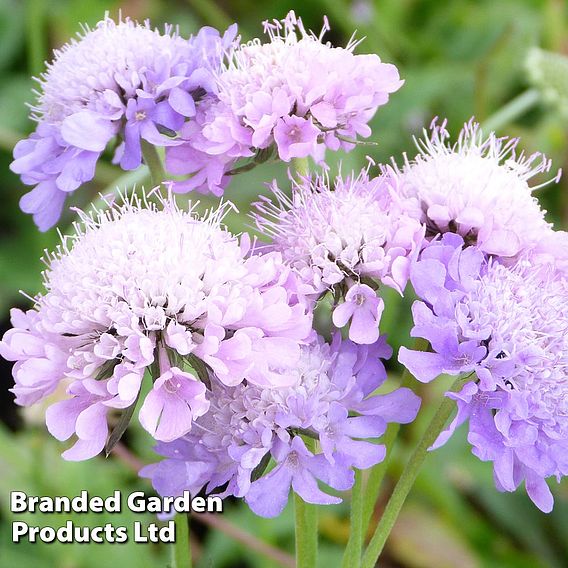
121,427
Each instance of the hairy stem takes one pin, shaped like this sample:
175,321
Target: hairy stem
352,555
378,472
376,476
154,162
306,533
301,166
407,479
181,549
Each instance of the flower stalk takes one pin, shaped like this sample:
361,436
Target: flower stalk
352,555
181,549
376,476
301,166
378,472
407,479
306,533
154,162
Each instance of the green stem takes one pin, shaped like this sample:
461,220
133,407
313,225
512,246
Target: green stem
408,478
301,165
512,110
306,529
154,162
181,549
376,476
379,471
352,555
306,533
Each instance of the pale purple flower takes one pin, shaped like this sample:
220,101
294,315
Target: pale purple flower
169,409
142,116
295,137
477,188
297,469
364,309
40,363
119,79
341,435
294,95
83,415
346,236
333,400
134,281
505,328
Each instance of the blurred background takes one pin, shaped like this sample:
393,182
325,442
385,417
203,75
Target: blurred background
459,59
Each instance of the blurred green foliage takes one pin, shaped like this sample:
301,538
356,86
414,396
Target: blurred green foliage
459,58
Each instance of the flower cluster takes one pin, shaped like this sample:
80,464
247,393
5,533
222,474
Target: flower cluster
507,325
294,95
476,188
347,236
249,427
122,79
243,397
141,286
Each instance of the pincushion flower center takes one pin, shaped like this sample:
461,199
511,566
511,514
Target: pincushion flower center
465,359
293,459
331,430
172,386
359,299
295,134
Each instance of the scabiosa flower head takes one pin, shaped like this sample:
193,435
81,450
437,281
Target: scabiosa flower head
477,188
295,94
248,425
507,326
121,79
347,236
141,287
